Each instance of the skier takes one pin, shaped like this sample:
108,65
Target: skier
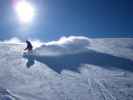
29,46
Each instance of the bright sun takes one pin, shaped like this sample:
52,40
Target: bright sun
25,11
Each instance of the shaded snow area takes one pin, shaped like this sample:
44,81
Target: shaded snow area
72,68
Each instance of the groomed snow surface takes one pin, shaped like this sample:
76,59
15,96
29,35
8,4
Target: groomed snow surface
71,68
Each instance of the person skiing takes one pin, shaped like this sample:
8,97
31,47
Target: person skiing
29,46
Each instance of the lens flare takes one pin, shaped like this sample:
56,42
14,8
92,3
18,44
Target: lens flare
25,11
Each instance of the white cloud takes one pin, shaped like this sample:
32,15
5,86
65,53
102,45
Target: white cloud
36,43
65,45
121,47
13,40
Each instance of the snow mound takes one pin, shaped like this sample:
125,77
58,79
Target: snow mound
65,45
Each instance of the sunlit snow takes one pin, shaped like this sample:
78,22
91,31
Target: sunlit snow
102,69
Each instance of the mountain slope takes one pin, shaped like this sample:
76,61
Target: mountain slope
104,71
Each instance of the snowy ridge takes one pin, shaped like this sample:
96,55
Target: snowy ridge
97,69
65,45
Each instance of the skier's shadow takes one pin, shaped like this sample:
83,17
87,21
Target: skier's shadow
73,61
30,60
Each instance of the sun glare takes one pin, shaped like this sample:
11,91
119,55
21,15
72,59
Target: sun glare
25,11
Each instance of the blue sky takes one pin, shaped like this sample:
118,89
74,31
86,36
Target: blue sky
56,18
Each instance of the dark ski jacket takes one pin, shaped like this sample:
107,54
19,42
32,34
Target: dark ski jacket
29,46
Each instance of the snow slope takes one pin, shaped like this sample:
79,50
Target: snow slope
102,69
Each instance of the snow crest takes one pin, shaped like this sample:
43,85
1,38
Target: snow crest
65,45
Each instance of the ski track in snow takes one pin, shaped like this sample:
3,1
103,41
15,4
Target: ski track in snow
41,82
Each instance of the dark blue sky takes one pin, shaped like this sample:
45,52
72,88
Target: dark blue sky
56,18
